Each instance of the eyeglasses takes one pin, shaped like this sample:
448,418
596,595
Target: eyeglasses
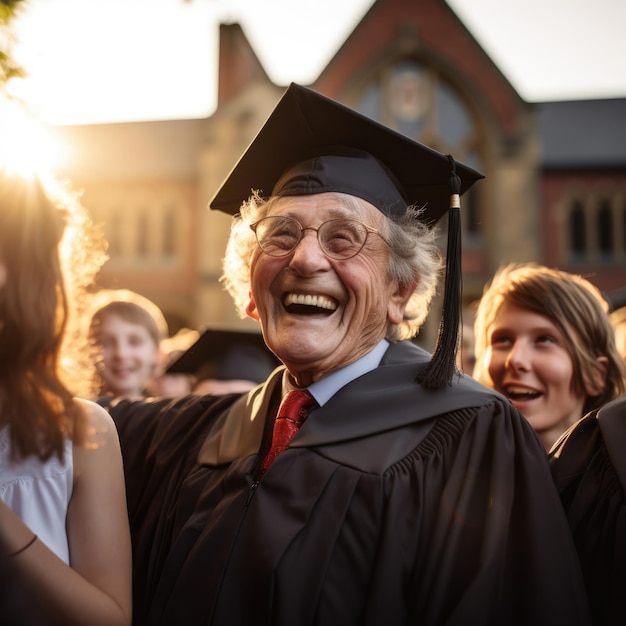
340,239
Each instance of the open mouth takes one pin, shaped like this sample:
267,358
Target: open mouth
521,393
122,374
308,304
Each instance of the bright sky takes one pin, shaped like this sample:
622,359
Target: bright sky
92,61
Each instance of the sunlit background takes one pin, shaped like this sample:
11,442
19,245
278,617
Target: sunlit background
26,145
130,89
125,60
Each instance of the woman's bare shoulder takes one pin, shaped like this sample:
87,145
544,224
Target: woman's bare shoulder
98,427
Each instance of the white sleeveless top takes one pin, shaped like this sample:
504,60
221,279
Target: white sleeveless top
39,493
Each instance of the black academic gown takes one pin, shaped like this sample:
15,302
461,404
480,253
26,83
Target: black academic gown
589,468
393,505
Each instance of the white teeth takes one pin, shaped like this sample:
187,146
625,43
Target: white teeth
521,391
321,302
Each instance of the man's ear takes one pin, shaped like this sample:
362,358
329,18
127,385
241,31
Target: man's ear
251,310
596,386
398,301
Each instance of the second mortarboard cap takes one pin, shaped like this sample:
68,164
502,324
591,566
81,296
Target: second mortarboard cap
311,144
226,355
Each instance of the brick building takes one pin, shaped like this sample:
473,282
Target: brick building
555,187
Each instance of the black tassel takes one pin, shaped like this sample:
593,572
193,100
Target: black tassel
442,367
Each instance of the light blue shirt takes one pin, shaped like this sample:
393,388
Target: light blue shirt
323,390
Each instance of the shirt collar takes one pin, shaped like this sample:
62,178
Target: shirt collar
323,390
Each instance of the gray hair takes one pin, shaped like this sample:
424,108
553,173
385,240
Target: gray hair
414,257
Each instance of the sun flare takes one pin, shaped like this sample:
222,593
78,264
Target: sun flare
26,146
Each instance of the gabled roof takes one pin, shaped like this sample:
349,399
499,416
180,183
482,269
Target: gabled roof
583,133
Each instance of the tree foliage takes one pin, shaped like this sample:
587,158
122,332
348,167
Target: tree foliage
8,67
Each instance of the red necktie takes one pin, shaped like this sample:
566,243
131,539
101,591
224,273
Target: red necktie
293,410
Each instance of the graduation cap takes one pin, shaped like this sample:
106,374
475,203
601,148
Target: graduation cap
311,144
226,355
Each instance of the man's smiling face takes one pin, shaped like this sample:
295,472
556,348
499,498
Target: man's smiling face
320,314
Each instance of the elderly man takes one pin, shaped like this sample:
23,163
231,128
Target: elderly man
368,497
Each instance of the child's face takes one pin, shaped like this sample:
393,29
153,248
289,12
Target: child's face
129,356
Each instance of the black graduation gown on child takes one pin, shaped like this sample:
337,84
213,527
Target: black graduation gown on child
589,468
392,505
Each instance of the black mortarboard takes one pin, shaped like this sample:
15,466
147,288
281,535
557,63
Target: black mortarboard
311,144
226,355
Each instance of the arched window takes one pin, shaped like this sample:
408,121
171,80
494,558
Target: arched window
605,231
141,249
471,212
623,229
169,232
113,229
577,232
417,101
454,124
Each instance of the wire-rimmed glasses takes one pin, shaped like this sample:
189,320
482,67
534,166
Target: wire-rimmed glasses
339,239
